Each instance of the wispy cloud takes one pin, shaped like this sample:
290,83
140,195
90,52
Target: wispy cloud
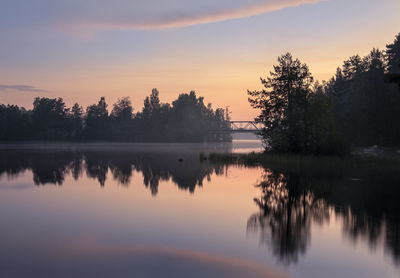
177,18
21,88
137,14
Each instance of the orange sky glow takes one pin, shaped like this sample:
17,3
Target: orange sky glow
219,54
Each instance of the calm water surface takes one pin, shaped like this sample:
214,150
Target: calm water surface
135,210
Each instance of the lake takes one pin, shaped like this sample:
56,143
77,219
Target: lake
156,210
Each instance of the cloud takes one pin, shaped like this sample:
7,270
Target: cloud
178,19
136,14
20,88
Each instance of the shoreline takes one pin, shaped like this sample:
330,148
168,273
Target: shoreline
350,164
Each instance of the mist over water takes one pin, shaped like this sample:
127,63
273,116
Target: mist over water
151,210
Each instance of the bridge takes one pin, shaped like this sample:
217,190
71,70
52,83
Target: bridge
245,127
240,127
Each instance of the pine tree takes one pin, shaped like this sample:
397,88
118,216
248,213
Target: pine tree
283,105
393,56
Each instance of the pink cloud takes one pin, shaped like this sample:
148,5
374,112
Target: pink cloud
183,19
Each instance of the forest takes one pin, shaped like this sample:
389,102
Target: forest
187,119
366,99
359,106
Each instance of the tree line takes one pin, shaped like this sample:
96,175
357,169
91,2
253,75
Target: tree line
359,106
187,119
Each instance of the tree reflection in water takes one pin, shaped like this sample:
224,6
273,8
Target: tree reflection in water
286,212
291,203
52,167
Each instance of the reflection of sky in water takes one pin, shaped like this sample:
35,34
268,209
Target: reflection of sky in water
142,262
81,229
247,146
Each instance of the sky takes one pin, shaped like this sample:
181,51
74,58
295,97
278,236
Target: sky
82,50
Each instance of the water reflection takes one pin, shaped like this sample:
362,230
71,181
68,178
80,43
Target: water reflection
291,203
53,167
289,206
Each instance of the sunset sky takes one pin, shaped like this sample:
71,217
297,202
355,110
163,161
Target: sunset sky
81,50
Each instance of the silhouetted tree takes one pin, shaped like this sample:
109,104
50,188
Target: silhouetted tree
363,102
353,66
121,118
285,103
322,137
187,120
122,109
191,119
97,121
77,121
393,56
50,119
15,123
